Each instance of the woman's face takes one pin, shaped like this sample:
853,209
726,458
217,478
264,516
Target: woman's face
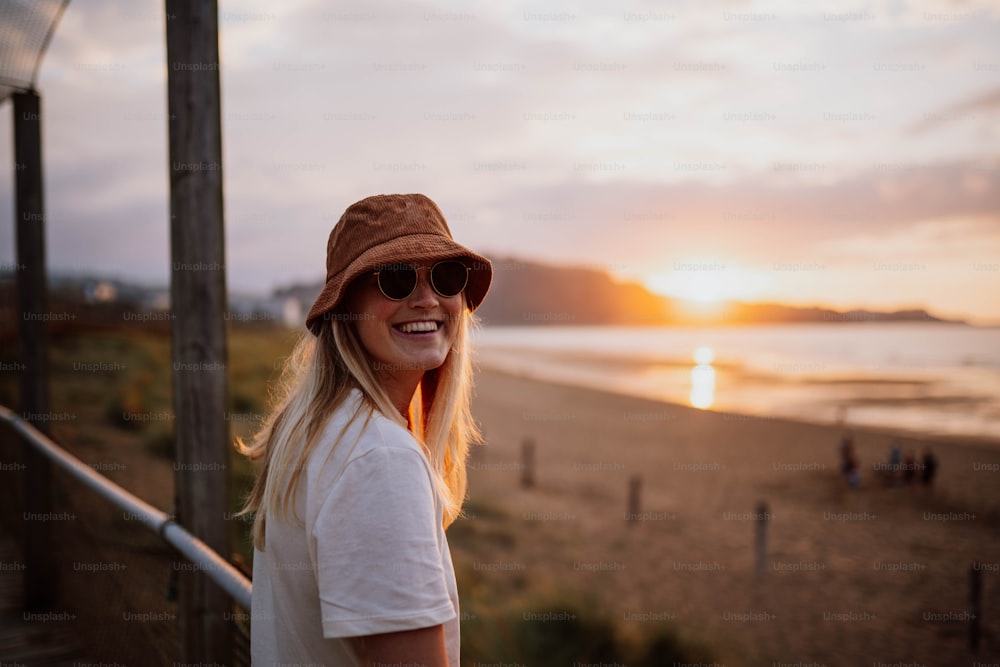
404,337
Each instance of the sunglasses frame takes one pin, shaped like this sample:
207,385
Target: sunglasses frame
430,279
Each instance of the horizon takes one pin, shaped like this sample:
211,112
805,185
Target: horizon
700,312
766,154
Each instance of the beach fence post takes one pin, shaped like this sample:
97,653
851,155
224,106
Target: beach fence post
40,579
528,463
634,498
975,606
198,327
760,543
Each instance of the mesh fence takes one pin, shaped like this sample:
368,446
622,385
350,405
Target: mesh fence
25,29
116,581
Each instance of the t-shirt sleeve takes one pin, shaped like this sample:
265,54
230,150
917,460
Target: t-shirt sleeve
378,557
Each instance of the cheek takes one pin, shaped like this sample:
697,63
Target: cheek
369,320
379,312
454,311
368,307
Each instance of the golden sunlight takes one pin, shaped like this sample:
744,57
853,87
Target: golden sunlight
708,282
702,386
703,378
704,355
703,286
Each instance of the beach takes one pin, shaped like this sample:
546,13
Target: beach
873,575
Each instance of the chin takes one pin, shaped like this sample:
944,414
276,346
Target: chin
424,360
430,364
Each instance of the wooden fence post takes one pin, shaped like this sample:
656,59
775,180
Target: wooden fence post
975,606
198,300
528,463
634,498
761,537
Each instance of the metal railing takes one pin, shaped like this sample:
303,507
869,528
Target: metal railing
231,580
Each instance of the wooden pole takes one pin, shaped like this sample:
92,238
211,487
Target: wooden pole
975,606
634,498
528,463
40,588
198,298
761,540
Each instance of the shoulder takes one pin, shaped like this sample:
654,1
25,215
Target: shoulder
354,416
387,448
390,434
378,476
357,431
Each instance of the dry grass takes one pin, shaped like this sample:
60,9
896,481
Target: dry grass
650,592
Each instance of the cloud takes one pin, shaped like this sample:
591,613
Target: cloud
960,239
982,107
887,196
617,136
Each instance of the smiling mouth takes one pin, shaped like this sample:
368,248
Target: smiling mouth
427,326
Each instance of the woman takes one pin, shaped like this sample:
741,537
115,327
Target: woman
361,471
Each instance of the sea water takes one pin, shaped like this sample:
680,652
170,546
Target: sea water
940,379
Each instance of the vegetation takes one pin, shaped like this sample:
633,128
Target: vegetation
115,382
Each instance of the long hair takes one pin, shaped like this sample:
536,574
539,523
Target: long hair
317,379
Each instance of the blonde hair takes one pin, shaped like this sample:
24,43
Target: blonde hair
318,378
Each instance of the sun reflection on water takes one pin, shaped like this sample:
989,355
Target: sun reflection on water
703,378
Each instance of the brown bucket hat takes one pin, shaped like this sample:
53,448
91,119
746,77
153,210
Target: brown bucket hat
388,229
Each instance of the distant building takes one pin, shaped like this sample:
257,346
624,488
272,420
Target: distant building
100,292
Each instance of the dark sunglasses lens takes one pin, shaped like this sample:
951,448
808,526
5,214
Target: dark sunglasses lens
449,277
397,282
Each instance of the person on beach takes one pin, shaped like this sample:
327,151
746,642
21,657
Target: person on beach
363,457
849,460
909,468
929,468
895,462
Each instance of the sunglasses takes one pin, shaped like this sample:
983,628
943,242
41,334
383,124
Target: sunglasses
398,281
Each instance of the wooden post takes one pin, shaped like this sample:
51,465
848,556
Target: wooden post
528,463
39,591
975,606
634,497
198,300
761,539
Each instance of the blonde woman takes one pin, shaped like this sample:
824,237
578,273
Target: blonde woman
363,458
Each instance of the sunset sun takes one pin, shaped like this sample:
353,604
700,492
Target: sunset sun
701,281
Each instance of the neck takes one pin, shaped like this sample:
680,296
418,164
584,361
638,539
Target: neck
400,387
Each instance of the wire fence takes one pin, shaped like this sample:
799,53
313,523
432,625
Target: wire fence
118,561
25,31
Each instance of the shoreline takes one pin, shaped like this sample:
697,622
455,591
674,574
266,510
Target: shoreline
989,442
917,380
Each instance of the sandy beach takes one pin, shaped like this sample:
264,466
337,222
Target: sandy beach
874,575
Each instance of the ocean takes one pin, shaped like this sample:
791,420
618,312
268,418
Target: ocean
937,379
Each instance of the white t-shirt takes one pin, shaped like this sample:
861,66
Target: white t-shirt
371,558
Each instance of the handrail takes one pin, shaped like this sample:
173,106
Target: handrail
218,569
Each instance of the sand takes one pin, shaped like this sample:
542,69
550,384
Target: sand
851,577
873,576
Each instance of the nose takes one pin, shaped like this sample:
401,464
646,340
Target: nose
423,295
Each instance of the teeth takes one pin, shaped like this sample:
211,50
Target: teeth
416,327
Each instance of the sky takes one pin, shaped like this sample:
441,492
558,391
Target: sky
843,154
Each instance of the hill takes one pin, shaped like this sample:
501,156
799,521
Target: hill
533,293
523,293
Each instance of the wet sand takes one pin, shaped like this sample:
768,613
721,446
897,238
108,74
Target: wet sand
873,575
